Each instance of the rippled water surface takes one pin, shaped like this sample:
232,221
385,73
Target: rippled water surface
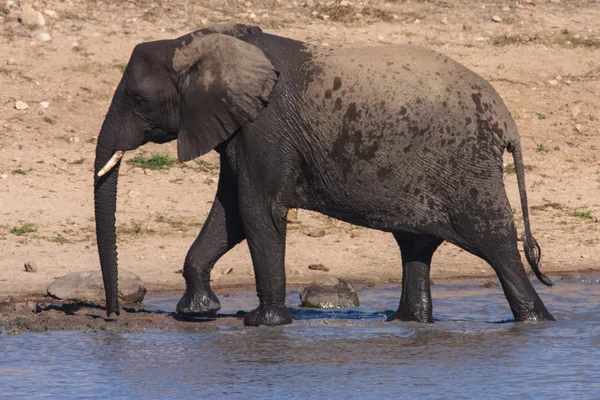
474,350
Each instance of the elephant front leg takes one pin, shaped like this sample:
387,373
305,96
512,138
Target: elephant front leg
221,231
266,230
415,301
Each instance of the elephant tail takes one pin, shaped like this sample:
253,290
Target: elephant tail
533,253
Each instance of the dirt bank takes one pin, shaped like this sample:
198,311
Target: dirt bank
542,56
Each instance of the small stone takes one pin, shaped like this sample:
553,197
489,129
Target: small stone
44,104
325,44
445,20
31,17
383,40
21,105
354,234
553,82
132,194
74,139
292,215
148,172
137,170
30,267
558,78
3,176
488,284
11,61
316,232
45,37
575,111
579,128
496,18
318,267
568,82
50,13
227,271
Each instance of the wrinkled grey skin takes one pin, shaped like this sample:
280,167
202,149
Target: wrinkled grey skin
398,138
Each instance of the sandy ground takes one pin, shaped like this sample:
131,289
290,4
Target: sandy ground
542,56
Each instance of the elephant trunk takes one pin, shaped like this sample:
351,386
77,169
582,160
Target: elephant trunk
105,204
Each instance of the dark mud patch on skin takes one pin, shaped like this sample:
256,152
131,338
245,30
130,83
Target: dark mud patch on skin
43,314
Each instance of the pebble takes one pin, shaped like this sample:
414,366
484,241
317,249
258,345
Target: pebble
74,139
137,170
3,176
132,194
354,234
579,128
44,104
45,37
553,82
227,271
11,61
21,105
318,267
316,232
496,18
575,111
31,17
489,284
30,266
148,172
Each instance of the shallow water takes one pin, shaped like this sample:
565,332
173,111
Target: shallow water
474,350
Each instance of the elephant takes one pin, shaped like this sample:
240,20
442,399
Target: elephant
396,138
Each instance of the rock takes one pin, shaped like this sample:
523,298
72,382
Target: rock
88,287
21,105
354,234
30,266
316,232
292,215
148,172
496,18
44,104
318,267
74,139
137,170
45,37
489,284
31,17
553,82
50,13
575,111
227,271
11,61
340,294
579,128
3,176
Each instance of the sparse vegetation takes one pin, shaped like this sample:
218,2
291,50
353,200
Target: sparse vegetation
155,162
133,228
205,166
23,229
19,171
541,116
583,214
78,162
48,120
505,40
510,169
59,239
121,67
542,149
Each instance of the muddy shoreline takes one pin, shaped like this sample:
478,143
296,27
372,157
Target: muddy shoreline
42,313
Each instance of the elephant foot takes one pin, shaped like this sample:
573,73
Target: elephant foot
201,303
268,316
536,313
404,315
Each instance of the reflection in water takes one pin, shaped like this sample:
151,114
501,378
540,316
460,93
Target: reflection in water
473,350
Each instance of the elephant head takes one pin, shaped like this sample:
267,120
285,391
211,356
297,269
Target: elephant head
199,89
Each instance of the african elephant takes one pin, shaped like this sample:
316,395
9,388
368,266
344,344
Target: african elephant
396,138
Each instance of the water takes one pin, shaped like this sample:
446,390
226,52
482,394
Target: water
474,350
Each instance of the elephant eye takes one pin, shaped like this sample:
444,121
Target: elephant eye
138,100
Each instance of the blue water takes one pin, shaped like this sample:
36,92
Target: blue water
474,350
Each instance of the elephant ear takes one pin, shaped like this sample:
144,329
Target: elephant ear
224,84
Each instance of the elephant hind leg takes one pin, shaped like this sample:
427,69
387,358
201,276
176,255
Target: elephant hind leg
415,301
490,234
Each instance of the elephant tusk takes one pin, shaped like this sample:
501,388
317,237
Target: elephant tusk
111,163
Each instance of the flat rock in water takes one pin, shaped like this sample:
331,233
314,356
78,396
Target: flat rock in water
339,294
88,287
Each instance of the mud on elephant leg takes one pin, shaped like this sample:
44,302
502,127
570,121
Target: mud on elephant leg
415,301
221,232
